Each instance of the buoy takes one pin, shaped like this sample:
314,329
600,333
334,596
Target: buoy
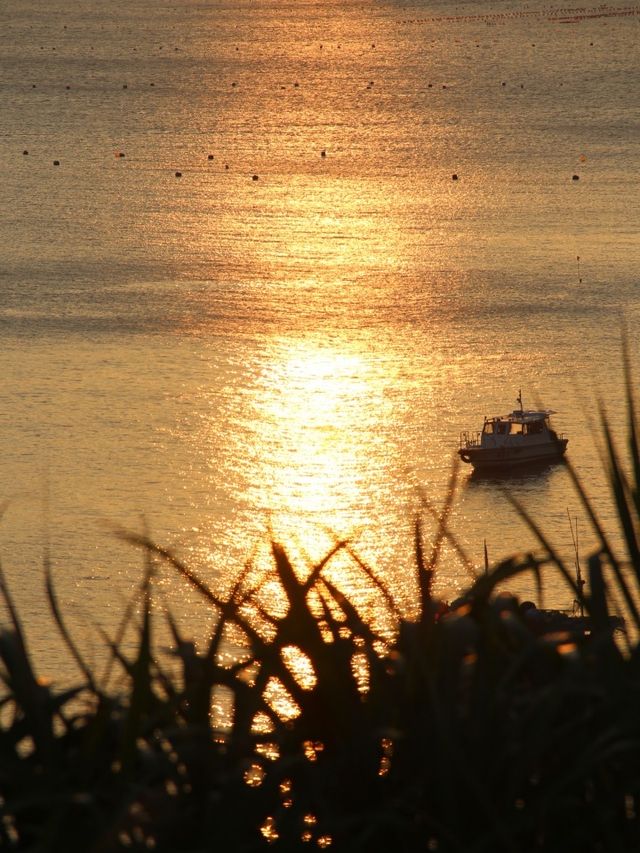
33,85
210,157
226,165
576,178
454,177
25,152
67,87
120,153
56,162
124,85
254,178
178,174
323,153
295,85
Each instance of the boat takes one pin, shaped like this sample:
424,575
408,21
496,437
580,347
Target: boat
573,623
521,438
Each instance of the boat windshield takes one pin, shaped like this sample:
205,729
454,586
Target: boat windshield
496,427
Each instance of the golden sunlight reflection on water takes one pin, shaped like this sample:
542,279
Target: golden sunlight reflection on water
317,407
314,460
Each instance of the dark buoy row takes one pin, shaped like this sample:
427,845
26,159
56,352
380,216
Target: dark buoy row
124,86
323,153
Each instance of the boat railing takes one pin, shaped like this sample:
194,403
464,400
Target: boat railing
470,439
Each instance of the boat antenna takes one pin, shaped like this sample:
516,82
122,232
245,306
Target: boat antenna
486,558
580,582
520,399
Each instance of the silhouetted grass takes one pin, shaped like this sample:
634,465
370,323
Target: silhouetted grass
468,731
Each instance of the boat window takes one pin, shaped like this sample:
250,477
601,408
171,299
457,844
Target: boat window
488,428
535,427
516,429
502,427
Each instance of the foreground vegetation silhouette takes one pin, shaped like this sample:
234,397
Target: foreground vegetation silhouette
463,731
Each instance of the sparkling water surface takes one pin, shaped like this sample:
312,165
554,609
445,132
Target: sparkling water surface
286,339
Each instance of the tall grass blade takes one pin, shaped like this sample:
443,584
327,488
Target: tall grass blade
141,688
605,546
597,597
319,567
623,499
634,446
375,580
553,555
125,621
425,574
453,540
28,694
62,628
443,519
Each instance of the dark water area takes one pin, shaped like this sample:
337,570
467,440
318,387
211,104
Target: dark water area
291,334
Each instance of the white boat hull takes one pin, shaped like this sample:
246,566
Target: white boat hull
509,456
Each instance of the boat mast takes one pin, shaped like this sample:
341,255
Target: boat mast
580,581
519,400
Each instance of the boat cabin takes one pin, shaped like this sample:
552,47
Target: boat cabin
518,423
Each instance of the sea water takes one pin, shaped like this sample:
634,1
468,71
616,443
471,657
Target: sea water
289,251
